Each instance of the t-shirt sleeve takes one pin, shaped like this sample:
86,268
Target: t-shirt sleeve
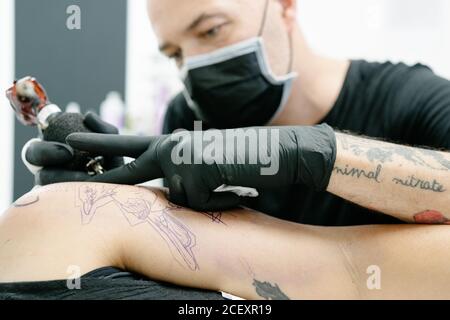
420,107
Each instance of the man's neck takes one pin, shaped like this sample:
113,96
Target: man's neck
316,88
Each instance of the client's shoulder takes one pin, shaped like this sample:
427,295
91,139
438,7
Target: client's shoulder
81,224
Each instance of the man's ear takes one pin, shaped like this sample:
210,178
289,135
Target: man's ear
289,12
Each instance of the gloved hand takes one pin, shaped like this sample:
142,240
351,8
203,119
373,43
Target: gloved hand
304,154
46,159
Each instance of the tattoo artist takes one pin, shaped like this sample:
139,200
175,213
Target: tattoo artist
356,138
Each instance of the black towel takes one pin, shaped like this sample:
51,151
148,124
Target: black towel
104,284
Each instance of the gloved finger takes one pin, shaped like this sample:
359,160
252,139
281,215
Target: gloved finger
113,162
96,124
177,194
49,176
219,201
200,197
135,172
46,153
110,144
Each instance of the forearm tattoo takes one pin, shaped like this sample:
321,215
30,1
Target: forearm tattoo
416,183
142,209
360,173
381,153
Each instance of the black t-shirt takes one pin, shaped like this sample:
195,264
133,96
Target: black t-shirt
395,102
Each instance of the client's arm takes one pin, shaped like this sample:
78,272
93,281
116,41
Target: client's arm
256,256
241,252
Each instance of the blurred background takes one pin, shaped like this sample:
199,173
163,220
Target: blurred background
111,64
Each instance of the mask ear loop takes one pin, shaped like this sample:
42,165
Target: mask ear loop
263,23
291,46
291,53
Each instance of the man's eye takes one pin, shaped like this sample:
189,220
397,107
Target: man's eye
211,33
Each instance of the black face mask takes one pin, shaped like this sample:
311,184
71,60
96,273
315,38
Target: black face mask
234,87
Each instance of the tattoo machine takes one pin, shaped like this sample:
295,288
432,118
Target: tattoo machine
32,107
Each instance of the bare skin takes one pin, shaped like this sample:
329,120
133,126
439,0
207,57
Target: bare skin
241,252
406,187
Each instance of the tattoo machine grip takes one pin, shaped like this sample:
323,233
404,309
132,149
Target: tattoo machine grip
30,103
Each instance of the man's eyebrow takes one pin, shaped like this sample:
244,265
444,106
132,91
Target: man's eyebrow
201,18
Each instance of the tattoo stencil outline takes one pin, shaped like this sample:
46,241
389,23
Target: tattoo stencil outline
138,211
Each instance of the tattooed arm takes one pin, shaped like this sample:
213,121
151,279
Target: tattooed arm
241,252
411,184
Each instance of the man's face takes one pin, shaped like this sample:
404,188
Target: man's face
189,28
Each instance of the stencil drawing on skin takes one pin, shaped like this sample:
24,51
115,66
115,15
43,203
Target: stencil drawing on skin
214,216
142,208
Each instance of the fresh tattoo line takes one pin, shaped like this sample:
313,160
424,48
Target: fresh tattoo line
431,217
138,210
415,183
379,151
215,217
360,173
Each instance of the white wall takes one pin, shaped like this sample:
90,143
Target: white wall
151,78
6,114
399,30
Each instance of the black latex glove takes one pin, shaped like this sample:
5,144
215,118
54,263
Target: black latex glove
306,155
52,156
